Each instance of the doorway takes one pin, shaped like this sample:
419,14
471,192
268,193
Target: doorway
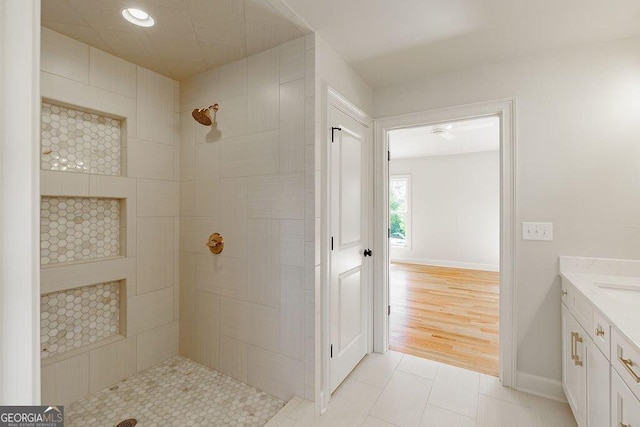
502,111
444,242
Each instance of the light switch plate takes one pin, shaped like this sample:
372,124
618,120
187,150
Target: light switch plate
537,231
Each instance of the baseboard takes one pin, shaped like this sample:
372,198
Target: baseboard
540,386
452,264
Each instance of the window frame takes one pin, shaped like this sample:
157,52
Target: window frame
407,214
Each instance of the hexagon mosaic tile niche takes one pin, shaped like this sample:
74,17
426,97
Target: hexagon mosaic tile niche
76,141
78,228
74,318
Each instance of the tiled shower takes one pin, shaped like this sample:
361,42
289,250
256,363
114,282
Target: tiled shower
131,189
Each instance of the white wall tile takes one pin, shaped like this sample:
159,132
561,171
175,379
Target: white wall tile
263,91
187,297
233,216
254,154
187,146
278,375
187,198
264,262
292,60
187,340
251,323
154,106
231,118
232,80
195,232
112,363
292,242
278,196
149,160
78,275
292,123
233,358
63,184
207,181
292,311
66,381
64,56
207,329
156,345
112,73
149,310
158,198
155,254
92,98
221,275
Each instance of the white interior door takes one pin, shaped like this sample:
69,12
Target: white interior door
349,224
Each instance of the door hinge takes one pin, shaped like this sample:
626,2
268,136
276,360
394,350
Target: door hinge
388,156
333,130
388,232
388,310
331,350
331,242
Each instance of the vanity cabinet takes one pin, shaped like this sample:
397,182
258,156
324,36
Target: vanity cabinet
585,368
600,371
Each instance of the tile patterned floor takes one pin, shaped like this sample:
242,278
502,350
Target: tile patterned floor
400,390
177,392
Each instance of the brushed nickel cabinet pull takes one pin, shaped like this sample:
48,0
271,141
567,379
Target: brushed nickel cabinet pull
628,364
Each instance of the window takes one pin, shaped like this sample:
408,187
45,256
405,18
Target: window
399,212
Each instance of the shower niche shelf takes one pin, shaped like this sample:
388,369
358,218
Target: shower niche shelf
74,229
79,141
74,320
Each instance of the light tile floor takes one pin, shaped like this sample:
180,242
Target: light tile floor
176,392
393,389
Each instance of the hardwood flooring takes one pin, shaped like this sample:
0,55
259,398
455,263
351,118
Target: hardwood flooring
445,314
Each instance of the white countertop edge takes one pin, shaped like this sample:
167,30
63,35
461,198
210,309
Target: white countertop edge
625,322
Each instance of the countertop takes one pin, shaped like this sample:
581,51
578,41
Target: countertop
622,312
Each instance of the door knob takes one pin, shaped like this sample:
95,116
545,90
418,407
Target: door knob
215,243
367,252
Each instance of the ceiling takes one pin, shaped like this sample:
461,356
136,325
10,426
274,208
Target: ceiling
189,36
460,137
389,42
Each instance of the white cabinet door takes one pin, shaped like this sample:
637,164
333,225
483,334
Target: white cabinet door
598,396
625,408
574,378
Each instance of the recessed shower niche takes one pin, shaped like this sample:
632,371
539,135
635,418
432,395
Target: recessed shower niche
74,318
78,141
79,228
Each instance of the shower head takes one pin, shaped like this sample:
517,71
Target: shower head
203,115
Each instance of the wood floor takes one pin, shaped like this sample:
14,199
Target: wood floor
445,314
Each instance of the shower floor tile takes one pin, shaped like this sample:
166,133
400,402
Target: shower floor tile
176,392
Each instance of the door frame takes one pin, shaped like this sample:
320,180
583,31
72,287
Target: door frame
505,109
332,98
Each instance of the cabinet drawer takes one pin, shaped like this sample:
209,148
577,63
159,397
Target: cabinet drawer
625,407
626,361
565,292
581,309
601,333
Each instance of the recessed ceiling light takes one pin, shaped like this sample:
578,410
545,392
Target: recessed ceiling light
138,17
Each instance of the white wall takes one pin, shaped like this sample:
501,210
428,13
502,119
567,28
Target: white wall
75,74
19,221
455,210
578,163
247,312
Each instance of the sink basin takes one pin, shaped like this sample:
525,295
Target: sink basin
627,289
